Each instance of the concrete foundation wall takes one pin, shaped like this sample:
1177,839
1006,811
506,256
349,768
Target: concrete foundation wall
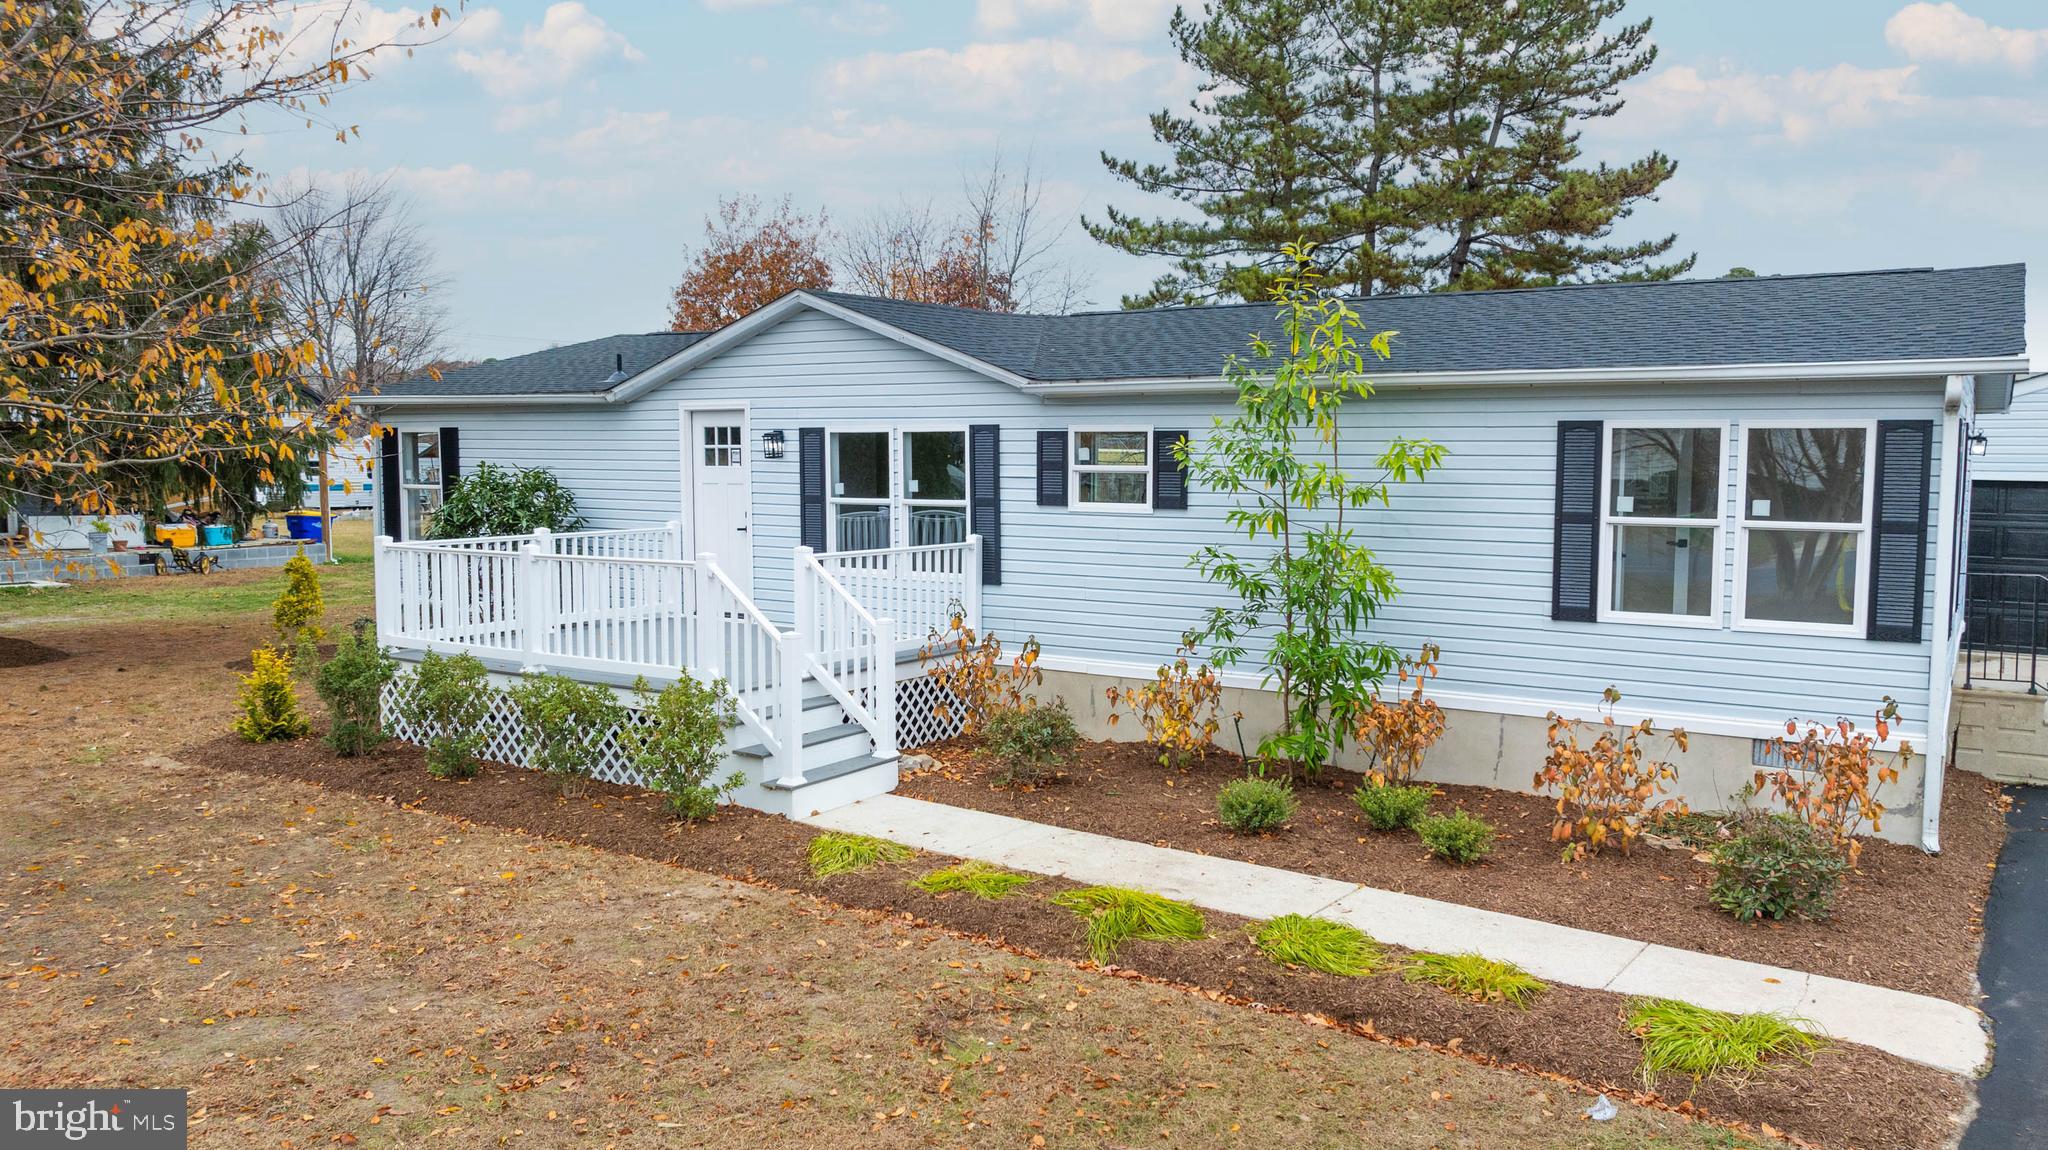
2002,734
1485,749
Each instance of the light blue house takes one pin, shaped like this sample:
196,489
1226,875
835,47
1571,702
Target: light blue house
1736,500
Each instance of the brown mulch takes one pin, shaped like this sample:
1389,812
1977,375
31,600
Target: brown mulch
1850,1097
22,653
1908,920
247,663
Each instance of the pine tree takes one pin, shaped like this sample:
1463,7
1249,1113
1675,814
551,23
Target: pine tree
1292,137
1499,194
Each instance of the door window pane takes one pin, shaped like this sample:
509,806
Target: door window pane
935,464
1666,473
1801,576
860,465
1805,474
1664,570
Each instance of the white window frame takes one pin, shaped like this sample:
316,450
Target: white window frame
1859,617
898,501
407,455
1075,468
1718,581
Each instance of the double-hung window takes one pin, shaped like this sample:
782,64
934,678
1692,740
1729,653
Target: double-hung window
1661,523
1112,470
891,486
419,480
1805,515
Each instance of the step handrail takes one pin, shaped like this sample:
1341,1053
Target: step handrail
767,649
847,650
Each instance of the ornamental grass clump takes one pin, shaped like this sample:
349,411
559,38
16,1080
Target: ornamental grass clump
352,685
1392,806
1116,915
1251,805
270,709
976,878
1319,944
1474,976
1775,867
1459,837
1681,1038
834,853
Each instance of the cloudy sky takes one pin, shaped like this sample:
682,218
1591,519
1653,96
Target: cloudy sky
562,156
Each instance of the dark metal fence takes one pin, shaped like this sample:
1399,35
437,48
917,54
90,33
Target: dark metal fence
2007,628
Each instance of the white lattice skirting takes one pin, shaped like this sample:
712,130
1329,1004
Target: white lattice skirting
917,718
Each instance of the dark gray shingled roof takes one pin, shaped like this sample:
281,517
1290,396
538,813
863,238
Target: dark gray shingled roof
567,370
1901,314
1905,314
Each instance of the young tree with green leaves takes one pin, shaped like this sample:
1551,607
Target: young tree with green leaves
1310,595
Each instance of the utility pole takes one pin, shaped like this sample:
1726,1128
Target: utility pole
326,517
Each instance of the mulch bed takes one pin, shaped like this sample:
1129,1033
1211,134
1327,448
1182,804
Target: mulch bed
22,653
1851,1097
1908,920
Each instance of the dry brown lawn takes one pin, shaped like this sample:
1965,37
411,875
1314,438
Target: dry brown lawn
323,970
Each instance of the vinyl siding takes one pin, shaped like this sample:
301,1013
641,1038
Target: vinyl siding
1471,546
2018,448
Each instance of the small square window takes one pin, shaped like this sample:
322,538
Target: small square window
1113,470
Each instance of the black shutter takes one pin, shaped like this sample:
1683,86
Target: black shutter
1052,468
1898,553
984,507
1169,475
387,484
810,478
1575,561
451,459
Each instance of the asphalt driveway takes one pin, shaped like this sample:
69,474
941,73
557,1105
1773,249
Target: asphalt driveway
2014,971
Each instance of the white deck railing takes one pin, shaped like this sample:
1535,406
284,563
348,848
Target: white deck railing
918,587
626,603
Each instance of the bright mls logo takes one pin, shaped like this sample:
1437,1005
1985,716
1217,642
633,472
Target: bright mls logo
101,1119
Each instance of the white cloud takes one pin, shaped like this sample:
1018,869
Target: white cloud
569,39
464,184
739,5
1116,19
1949,35
861,18
1022,75
311,32
1795,106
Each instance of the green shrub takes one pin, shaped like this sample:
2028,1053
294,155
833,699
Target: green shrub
1776,866
1392,806
1319,944
1686,1039
1460,837
449,699
678,743
1251,805
1029,740
1116,916
976,878
834,853
270,708
352,685
494,500
566,724
1473,976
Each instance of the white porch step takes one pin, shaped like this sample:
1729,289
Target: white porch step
821,737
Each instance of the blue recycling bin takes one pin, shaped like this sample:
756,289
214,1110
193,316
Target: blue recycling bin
304,526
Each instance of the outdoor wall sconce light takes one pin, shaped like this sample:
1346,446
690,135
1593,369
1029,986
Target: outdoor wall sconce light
771,444
1979,444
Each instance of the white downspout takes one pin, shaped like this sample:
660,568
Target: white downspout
1941,661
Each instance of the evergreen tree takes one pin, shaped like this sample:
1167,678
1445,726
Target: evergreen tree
1412,143
1283,143
1499,195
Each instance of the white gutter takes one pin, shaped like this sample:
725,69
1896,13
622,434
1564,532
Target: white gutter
1728,372
1941,659
520,399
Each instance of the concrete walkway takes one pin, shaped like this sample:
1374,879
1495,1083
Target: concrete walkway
2013,1098
1913,1026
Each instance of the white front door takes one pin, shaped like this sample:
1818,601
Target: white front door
719,503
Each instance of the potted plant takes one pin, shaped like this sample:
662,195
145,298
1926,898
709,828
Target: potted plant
101,537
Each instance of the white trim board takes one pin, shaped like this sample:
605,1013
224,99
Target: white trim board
1731,726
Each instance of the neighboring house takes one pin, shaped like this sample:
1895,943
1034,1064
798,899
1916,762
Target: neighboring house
1735,500
351,477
